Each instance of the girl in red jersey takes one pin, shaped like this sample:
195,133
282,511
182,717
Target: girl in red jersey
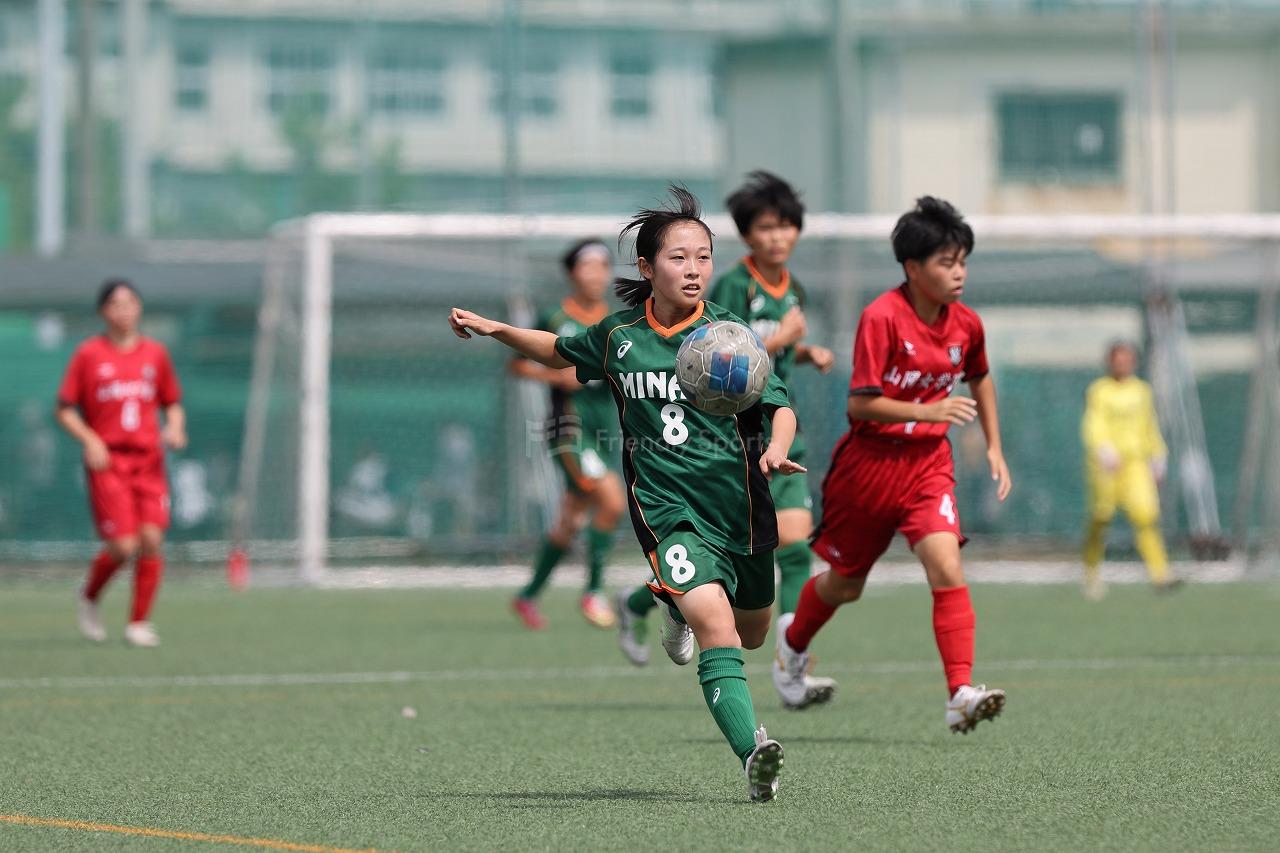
893,470
114,386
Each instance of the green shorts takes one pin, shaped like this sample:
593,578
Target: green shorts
685,561
792,491
582,468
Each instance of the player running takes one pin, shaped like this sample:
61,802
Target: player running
892,471
696,483
108,401
582,435
769,215
1125,460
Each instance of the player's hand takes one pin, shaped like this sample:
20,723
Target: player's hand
822,358
174,437
1108,458
96,455
1159,469
465,322
952,410
792,328
1000,474
773,459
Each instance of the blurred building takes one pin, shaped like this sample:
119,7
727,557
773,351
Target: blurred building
246,113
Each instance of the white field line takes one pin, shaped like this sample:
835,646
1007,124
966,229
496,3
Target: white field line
884,575
294,679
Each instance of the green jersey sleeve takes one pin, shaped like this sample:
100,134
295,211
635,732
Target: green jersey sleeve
775,393
733,294
585,351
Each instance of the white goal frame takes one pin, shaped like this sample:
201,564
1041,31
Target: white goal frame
315,236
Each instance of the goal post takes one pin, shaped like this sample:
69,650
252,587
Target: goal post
843,264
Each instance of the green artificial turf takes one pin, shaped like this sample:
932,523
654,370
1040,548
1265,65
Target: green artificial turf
1139,723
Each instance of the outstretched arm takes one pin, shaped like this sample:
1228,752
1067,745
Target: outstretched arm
531,343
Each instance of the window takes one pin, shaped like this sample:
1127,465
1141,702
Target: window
1068,138
406,80
630,79
191,76
300,78
538,86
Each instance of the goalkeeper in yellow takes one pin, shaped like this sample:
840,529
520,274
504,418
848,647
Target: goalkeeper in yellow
1124,463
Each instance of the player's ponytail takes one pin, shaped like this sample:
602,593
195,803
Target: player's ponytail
650,226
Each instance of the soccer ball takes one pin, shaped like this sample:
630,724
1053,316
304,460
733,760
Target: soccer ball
723,368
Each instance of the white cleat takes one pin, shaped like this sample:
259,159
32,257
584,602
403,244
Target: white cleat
89,617
632,630
677,637
1095,588
762,768
971,705
141,635
818,690
791,676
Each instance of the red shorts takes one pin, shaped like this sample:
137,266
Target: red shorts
131,492
875,488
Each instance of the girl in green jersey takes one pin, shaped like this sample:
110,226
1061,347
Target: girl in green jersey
697,484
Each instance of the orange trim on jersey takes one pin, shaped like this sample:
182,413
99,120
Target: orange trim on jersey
662,587
678,327
579,315
777,291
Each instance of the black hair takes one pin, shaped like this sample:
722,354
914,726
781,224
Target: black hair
651,225
570,257
762,192
931,225
109,287
1122,343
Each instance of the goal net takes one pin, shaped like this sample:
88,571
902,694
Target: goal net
373,434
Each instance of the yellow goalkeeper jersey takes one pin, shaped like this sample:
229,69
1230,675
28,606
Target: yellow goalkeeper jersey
1122,414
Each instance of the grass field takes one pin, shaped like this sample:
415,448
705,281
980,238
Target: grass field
1141,723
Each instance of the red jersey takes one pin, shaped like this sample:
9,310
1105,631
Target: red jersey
896,354
119,391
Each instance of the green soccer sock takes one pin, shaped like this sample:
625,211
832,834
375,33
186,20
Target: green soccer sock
794,565
598,544
640,601
548,555
724,687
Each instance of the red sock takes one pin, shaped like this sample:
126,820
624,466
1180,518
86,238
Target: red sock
953,623
146,580
100,571
811,614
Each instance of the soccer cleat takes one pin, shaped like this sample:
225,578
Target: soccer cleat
762,768
1170,585
90,620
818,690
791,676
971,705
596,610
632,631
141,635
529,614
1095,588
677,638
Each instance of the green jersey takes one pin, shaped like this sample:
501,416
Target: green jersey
683,467
587,413
744,292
